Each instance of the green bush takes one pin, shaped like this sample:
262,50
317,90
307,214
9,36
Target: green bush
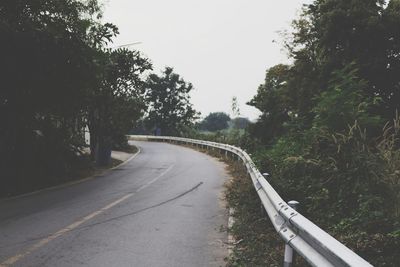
345,184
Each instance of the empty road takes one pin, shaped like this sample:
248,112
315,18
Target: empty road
162,208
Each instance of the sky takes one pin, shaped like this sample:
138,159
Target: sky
223,47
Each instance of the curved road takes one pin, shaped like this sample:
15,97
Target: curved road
162,208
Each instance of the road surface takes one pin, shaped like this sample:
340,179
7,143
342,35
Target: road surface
162,208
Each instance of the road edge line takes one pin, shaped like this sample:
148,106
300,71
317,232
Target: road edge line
13,259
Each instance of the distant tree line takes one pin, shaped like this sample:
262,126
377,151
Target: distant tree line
58,76
217,121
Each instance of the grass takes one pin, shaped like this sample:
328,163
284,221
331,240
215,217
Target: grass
257,243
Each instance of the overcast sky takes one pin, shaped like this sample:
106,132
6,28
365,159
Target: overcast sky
222,47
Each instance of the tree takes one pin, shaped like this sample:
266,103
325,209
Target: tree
332,34
274,100
47,69
168,99
240,123
57,76
215,121
345,102
329,36
322,120
116,104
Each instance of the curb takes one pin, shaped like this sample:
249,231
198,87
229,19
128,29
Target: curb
126,161
69,183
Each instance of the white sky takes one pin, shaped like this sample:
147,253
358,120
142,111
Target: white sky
223,47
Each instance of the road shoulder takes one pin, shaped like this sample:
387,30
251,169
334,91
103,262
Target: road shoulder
119,158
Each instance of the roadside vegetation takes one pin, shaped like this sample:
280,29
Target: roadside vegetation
329,130
256,242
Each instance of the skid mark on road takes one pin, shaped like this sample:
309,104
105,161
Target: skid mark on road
44,241
155,179
144,209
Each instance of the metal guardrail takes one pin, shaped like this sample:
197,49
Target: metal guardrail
316,246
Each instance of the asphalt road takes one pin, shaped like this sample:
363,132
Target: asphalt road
162,208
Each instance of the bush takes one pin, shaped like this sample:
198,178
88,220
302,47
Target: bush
346,184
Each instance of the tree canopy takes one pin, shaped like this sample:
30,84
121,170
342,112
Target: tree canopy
215,121
168,100
320,133
57,77
47,72
116,103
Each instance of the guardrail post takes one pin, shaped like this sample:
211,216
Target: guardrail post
289,255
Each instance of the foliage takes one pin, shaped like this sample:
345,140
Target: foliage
169,107
215,121
332,34
272,100
388,150
47,70
341,182
320,133
256,241
240,123
57,77
345,102
116,103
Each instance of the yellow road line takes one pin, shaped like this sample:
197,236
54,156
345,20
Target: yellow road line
74,225
67,184
70,227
